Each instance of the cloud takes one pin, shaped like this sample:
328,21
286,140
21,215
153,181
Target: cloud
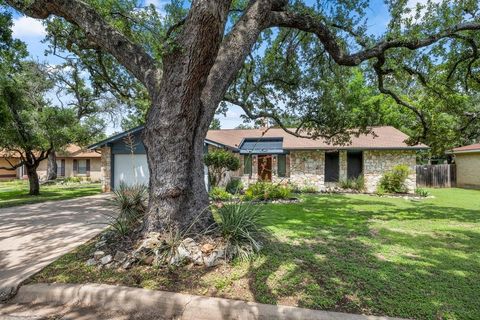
28,27
412,4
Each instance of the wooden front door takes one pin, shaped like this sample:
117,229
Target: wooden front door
265,168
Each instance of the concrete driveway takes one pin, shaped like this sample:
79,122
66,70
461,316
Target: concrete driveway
33,236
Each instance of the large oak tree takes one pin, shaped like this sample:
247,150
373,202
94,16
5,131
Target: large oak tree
210,55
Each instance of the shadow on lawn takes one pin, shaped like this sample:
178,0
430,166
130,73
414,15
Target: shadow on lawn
340,262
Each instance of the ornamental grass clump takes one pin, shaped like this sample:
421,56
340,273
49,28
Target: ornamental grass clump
131,203
240,225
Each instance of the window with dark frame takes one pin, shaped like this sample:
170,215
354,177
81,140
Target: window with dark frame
247,164
282,165
332,166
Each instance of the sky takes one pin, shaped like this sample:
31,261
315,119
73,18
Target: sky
32,32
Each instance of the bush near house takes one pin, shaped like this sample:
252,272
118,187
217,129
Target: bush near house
393,181
267,191
357,184
219,194
219,162
234,186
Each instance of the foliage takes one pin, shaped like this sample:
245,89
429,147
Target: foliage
240,226
422,192
72,180
393,181
220,161
234,186
267,191
308,189
215,124
357,184
219,194
324,236
131,203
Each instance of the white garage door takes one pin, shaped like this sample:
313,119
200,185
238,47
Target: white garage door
130,169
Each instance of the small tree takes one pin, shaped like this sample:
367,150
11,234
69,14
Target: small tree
29,127
218,162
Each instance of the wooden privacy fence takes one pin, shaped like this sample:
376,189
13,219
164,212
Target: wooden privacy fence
436,175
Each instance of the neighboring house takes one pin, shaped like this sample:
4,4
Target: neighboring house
7,159
274,155
467,160
71,162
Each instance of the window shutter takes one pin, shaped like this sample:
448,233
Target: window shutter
62,168
75,167
282,165
247,164
88,167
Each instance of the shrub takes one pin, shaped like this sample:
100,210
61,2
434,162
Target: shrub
131,202
267,191
394,180
234,186
422,192
240,225
218,162
219,194
353,183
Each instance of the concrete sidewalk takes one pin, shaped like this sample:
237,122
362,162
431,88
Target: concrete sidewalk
33,236
94,301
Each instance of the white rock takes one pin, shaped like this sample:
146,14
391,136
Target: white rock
106,259
98,254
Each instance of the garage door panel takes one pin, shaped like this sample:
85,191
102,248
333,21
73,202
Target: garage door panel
130,169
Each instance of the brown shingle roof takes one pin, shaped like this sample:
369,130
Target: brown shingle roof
385,137
473,147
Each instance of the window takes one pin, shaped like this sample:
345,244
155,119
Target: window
282,165
247,164
354,164
82,166
61,168
332,167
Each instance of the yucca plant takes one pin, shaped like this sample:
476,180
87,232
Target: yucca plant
240,225
131,202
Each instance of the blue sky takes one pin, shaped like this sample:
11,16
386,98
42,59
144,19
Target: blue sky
32,32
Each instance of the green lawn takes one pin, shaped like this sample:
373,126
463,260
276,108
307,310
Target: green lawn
355,253
15,193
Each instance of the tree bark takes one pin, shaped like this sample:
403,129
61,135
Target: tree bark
33,180
52,166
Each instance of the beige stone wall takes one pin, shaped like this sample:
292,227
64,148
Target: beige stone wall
307,168
468,169
377,162
106,169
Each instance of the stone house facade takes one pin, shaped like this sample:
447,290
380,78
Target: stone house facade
273,155
467,160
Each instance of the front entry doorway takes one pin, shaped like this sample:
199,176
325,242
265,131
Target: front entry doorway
265,167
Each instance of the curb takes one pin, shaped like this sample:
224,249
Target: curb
169,305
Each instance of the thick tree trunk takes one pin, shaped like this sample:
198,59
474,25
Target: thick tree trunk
52,166
178,121
33,180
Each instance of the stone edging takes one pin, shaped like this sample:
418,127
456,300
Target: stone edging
168,304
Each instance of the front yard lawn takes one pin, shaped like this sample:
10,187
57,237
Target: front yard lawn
15,193
353,253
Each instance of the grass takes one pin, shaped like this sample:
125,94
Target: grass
354,253
15,192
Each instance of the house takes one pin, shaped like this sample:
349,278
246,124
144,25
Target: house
467,160
274,155
73,161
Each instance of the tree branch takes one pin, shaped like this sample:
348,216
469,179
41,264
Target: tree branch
309,23
132,56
